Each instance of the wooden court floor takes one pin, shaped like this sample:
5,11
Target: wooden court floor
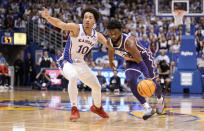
49,111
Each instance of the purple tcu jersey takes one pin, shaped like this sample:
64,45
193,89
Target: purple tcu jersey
145,53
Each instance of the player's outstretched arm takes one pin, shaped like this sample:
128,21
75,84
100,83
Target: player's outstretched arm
57,22
103,41
111,50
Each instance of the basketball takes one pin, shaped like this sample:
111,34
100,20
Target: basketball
146,88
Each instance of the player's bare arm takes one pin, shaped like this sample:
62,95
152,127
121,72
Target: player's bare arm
58,23
111,50
103,41
130,46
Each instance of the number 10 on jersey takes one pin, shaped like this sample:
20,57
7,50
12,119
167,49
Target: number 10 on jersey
83,49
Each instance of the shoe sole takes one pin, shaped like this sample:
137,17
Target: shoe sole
148,116
74,119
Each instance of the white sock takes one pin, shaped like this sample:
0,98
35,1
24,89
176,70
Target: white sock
146,105
160,100
73,92
96,95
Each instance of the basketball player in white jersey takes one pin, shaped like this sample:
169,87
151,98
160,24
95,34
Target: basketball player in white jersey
82,38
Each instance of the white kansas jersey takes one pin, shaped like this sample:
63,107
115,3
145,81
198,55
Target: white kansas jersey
77,47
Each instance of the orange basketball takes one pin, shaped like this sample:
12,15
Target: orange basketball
146,88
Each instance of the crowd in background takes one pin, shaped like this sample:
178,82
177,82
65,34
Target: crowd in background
159,34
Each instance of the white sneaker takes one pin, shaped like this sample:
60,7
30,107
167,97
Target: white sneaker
148,112
160,105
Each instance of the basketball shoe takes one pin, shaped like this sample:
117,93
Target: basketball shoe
148,112
99,111
74,113
160,105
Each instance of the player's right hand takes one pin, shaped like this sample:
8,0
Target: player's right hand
45,14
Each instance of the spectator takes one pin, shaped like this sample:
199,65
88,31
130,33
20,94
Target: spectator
164,72
45,60
17,23
2,59
27,11
163,45
64,82
161,57
23,24
9,22
200,63
115,82
1,23
18,68
102,81
41,23
175,47
122,66
29,70
173,68
42,80
84,87
1,74
59,54
153,42
53,65
154,46
105,10
99,65
198,41
5,75
145,41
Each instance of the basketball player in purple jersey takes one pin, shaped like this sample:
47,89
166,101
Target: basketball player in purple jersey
138,59
82,38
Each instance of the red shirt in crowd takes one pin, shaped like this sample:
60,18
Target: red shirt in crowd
3,70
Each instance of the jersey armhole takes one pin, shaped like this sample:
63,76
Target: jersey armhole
125,42
110,42
81,30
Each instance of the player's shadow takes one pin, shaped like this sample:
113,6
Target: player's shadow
92,126
98,125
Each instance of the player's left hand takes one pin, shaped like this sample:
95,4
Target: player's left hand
45,14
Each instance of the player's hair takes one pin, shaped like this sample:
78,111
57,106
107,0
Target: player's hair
93,11
114,24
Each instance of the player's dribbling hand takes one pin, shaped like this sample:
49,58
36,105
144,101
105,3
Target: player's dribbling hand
45,14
